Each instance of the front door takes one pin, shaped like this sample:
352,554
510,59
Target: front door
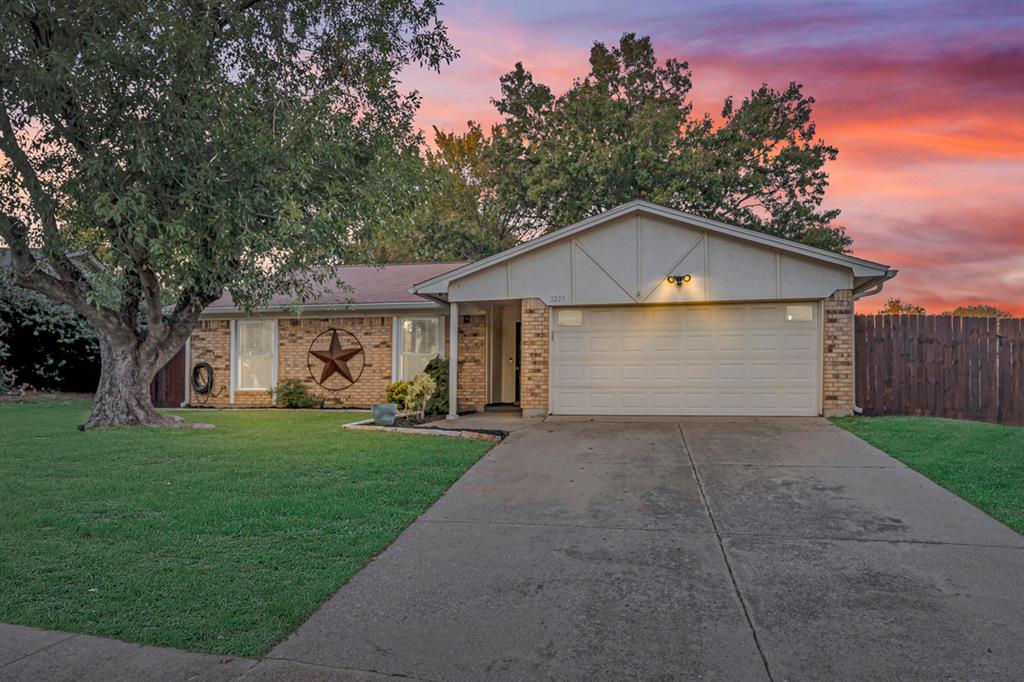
504,341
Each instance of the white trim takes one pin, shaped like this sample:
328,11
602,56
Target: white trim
273,367
235,388
821,357
859,266
442,335
396,340
551,349
232,359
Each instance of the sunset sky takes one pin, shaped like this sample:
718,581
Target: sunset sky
925,101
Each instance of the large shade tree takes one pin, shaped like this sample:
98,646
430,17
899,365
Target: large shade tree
627,130
157,153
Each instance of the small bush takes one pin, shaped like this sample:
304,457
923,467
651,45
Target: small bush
292,393
421,389
48,345
6,373
397,393
438,371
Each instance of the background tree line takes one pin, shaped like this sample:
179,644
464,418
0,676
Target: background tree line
624,130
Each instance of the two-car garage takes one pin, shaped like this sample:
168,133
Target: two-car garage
735,359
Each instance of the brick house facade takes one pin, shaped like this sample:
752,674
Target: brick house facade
211,343
641,310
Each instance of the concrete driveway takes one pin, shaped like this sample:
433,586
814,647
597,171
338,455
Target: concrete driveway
735,549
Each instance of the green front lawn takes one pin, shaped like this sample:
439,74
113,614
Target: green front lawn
982,463
220,540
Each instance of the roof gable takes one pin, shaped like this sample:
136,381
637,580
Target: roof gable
861,268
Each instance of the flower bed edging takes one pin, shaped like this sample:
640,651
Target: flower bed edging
368,425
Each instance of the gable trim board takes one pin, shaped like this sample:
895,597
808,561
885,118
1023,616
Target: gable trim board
627,260
864,272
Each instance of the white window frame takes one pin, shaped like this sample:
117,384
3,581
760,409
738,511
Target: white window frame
235,388
396,341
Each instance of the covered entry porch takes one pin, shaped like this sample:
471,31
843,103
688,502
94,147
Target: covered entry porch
506,369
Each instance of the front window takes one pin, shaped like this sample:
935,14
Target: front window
799,313
256,353
420,343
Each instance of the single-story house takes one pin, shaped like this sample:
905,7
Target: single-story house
641,310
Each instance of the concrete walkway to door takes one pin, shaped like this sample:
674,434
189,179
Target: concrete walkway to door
732,549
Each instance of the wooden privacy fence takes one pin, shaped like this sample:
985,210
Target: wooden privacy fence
940,366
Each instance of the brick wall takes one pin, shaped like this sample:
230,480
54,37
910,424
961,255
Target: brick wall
472,362
535,357
837,377
374,333
211,342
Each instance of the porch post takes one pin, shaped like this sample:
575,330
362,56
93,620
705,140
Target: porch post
453,360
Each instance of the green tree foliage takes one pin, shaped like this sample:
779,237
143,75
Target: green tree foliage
897,306
197,148
460,215
624,131
978,310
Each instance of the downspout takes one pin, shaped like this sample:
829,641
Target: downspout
870,288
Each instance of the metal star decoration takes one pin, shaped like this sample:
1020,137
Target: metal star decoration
335,359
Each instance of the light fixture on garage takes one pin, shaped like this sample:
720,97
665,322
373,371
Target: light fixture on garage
678,280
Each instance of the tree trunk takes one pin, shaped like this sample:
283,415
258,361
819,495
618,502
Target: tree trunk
122,397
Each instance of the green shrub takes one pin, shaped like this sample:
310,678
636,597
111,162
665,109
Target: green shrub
438,371
47,344
6,374
421,390
292,393
397,393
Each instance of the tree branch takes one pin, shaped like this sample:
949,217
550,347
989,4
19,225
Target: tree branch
28,273
43,205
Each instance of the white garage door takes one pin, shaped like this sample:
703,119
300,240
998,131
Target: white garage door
749,359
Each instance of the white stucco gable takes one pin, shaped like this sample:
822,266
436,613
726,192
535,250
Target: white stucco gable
625,256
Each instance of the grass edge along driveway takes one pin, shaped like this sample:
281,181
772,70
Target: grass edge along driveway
982,463
216,540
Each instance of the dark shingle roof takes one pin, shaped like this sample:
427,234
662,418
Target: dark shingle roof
365,284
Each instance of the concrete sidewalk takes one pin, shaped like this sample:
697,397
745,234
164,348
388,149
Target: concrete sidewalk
34,655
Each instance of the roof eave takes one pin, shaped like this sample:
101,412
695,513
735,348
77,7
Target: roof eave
326,308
